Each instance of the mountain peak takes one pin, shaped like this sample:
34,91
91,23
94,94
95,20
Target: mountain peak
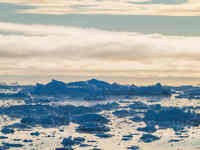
56,82
93,80
97,82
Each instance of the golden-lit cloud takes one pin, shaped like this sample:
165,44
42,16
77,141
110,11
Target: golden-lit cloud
189,8
43,49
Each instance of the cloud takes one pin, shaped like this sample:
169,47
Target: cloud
189,8
43,49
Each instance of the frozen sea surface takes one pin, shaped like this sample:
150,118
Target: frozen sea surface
146,123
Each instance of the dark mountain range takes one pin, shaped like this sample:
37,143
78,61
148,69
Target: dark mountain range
96,88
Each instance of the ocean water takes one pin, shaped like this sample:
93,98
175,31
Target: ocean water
124,132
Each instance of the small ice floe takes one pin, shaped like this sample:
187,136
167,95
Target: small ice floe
92,123
7,130
10,145
124,113
35,133
3,137
93,128
174,140
133,148
69,142
27,141
148,138
103,135
127,137
149,129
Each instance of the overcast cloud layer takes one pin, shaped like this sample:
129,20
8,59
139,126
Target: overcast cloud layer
131,7
41,49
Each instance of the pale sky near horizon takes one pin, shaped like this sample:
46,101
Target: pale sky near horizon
117,38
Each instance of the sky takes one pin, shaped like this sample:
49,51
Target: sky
130,41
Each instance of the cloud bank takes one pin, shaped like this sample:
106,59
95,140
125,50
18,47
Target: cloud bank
42,49
131,7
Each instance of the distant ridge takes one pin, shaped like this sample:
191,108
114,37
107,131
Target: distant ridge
96,88
92,89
